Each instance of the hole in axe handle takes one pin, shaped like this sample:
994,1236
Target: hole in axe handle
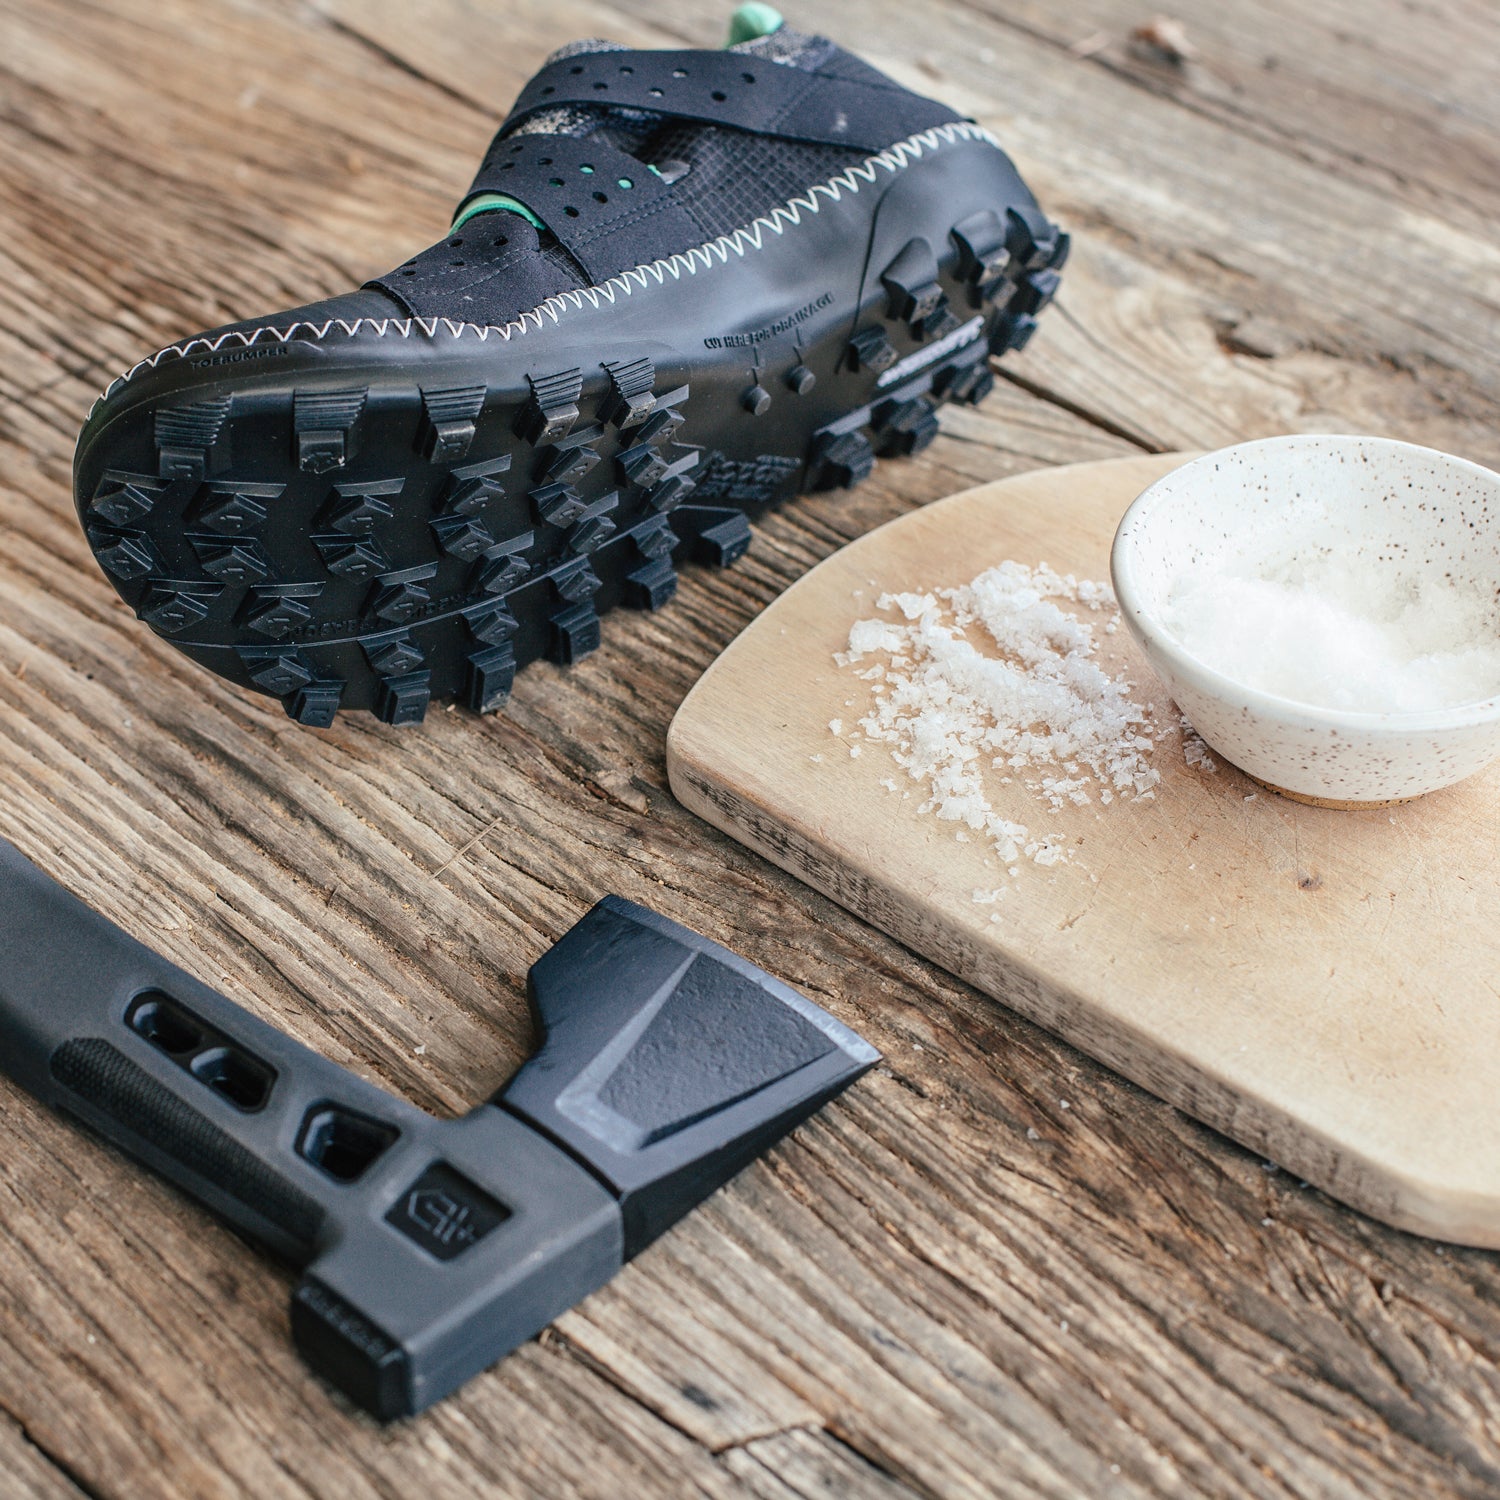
211,1057
342,1143
243,1081
166,1025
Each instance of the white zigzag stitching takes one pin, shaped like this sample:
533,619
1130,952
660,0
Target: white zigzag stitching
704,257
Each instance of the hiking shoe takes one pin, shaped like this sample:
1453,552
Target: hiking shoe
684,286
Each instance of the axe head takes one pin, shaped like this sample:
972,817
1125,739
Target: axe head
666,1064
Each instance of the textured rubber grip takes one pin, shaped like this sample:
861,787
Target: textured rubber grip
110,1087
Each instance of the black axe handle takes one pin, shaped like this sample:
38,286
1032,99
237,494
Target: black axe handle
430,1247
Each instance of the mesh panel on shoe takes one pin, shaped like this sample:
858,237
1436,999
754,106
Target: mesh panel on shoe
736,176
733,176
787,46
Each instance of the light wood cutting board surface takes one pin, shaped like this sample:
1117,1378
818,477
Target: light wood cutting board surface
1322,985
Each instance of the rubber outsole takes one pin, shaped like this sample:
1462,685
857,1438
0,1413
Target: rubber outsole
345,526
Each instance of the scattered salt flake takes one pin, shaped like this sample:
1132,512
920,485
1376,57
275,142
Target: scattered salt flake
817,758
1063,1104
1196,753
854,751
421,1049
835,726
997,675
1032,1134
913,606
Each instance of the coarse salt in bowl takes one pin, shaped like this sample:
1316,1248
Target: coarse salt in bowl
1325,610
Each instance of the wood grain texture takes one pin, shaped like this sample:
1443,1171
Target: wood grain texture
1317,984
913,1295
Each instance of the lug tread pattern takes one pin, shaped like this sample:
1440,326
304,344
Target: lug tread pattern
189,438
323,427
125,555
630,400
448,422
234,509
120,499
553,408
384,547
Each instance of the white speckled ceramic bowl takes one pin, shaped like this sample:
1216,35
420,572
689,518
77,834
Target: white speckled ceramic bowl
1363,497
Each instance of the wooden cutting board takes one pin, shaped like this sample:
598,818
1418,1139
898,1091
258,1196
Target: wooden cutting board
1322,985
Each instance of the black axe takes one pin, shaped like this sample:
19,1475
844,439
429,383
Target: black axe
430,1248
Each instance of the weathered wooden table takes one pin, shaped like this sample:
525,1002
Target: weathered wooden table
992,1268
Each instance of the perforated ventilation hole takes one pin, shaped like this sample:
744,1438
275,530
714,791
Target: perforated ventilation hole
549,90
655,93
679,72
505,166
456,243
544,161
517,147
748,77
572,213
501,239
719,95
575,70
601,84
555,181
625,182
627,69
408,270
601,197
587,170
